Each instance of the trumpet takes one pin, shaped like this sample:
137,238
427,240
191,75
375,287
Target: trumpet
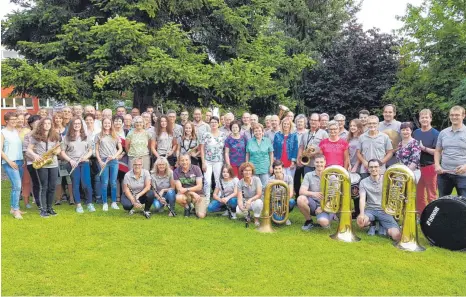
47,158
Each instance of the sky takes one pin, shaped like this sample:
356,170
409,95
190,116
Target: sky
374,13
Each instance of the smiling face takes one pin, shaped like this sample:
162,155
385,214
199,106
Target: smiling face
278,170
388,113
197,115
456,116
89,122
188,129
225,173
320,164
161,167
47,125
258,133
77,125
406,133
107,125
117,123
247,172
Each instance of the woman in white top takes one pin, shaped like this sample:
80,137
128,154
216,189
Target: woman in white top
12,160
225,193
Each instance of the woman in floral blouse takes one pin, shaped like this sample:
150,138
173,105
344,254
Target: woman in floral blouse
409,151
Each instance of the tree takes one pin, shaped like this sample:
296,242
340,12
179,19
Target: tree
353,74
433,60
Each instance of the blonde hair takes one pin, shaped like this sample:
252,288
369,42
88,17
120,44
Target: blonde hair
458,108
425,111
162,160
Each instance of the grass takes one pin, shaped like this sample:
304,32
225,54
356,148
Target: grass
113,254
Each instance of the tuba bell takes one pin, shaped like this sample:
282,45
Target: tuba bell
335,184
399,199
283,111
276,205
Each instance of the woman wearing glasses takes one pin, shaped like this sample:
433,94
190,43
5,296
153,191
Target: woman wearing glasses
137,142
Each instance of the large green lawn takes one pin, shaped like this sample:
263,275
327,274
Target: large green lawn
113,254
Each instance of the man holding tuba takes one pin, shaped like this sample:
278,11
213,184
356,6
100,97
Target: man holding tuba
311,195
370,204
309,145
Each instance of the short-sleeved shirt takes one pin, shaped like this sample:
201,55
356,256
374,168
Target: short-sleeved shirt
41,148
237,150
227,187
374,147
177,131
27,140
287,179
136,185
249,190
311,181
270,134
393,125
187,144
343,134
427,139
373,190
334,151
453,145
107,145
161,182
164,143
259,154
201,129
353,146
409,153
225,130
77,148
248,133
312,138
139,143
213,146
300,136
188,179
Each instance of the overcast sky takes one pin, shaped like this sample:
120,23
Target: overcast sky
374,13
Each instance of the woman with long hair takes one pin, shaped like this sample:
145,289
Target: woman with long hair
33,121
235,148
63,178
77,149
285,147
58,126
107,149
356,129
164,144
225,193
23,130
137,142
188,144
12,160
163,185
44,139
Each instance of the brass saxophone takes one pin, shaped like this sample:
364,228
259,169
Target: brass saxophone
47,158
399,199
335,185
307,155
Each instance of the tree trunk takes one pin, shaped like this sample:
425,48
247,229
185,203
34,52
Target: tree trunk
143,97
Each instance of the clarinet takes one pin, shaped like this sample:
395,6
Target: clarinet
226,204
154,188
248,216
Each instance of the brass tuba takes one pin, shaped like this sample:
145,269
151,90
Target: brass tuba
276,201
399,199
47,158
283,111
335,184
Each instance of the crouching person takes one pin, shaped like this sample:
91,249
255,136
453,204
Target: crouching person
249,193
370,204
164,185
188,182
136,189
225,193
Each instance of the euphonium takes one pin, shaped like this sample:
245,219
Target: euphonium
398,196
276,201
335,185
47,158
307,154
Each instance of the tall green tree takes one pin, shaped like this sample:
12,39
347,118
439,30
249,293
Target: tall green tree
433,59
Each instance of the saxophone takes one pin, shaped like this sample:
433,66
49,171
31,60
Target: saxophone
47,158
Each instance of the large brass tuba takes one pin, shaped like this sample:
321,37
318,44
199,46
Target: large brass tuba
276,201
47,158
399,199
335,184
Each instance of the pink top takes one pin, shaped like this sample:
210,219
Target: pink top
334,152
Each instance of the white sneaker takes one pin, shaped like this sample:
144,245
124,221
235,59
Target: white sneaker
105,207
225,214
114,205
233,216
288,222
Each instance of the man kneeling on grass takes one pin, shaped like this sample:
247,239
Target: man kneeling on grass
136,189
370,203
188,181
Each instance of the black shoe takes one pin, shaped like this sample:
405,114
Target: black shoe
146,214
44,214
51,212
187,212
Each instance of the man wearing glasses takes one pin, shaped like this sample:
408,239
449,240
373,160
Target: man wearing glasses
374,145
311,139
450,155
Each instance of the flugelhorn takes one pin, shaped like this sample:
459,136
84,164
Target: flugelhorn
399,199
335,184
276,201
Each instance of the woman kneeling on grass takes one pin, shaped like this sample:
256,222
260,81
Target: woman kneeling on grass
225,193
77,149
163,185
107,148
136,189
249,193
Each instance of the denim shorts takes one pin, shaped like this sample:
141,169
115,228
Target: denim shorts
387,221
313,205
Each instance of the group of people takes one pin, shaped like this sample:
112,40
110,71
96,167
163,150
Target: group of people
217,163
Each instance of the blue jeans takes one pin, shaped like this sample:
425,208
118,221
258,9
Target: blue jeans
264,179
82,175
170,197
15,177
216,206
447,181
110,171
